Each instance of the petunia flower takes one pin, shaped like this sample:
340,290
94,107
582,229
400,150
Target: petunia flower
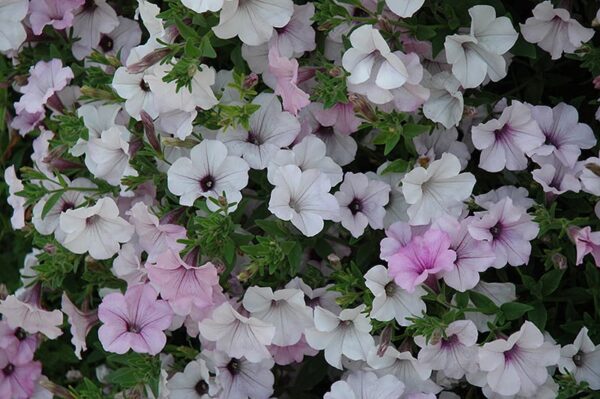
210,171
518,364
455,353
431,146
509,229
121,40
24,344
581,359
97,229
285,309
323,296
586,242
127,265
58,13
504,141
284,355
18,375
479,54
303,198
270,130
445,104
26,122
554,30
298,35
436,191
285,71
391,301
96,118
499,293
253,20
398,235
236,335
241,378
362,202
30,318
565,136
518,195
404,8
395,209
194,382
366,385
346,334
555,177
45,79
135,320
201,6
93,19
109,155
15,185
81,323
422,257
12,31
183,286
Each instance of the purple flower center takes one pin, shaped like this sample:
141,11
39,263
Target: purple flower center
390,288
9,369
253,138
325,131
355,206
201,388
89,6
66,206
449,342
312,302
578,359
91,220
106,43
233,366
496,230
511,354
20,334
133,328
144,85
207,183
359,12
503,133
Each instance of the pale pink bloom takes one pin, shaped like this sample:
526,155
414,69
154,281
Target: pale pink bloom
155,237
404,8
136,320
504,141
554,30
431,146
396,208
97,229
509,229
362,202
31,318
323,297
12,31
45,79
128,265
472,256
412,94
480,53
343,335
298,35
423,256
366,385
94,18
41,152
81,323
201,6
241,378
565,136
445,104
284,355
341,117
455,353
517,365
96,118
15,185
285,309
590,176
285,71
26,122
555,177
194,382
270,130
391,301
398,235
183,286
58,13
518,195
23,343
582,360
236,335
586,242
108,155
333,128
18,375
303,198
121,40
436,191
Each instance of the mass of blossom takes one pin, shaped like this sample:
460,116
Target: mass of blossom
337,199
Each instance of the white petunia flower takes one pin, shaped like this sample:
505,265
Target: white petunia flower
270,130
346,334
253,20
404,8
109,155
366,385
479,54
437,190
12,31
96,118
194,382
209,172
582,360
303,198
445,103
97,229
285,309
391,301
201,6
395,210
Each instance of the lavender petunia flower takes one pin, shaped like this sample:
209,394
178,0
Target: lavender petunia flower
58,13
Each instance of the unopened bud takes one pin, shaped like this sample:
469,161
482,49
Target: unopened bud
362,106
335,261
559,261
593,167
55,389
148,124
3,291
386,338
148,60
469,111
596,82
50,249
335,71
250,81
436,337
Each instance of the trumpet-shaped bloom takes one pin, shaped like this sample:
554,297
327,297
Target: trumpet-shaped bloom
194,382
479,54
15,185
504,141
32,319
445,103
136,320
81,323
12,31
45,79
201,6
436,191
285,71
241,378
18,375
94,18
366,385
586,242
58,13
404,8
109,155
581,359
554,30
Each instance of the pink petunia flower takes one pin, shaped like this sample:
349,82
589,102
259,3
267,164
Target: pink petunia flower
136,320
423,256
504,141
93,19
284,355
15,185
285,71
24,344
46,78
18,375
586,242
184,286
58,13
31,318
81,323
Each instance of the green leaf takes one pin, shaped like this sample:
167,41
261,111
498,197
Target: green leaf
462,299
229,251
186,31
538,316
396,166
551,280
483,303
206,48
51,202
413,130
514,310
524,49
